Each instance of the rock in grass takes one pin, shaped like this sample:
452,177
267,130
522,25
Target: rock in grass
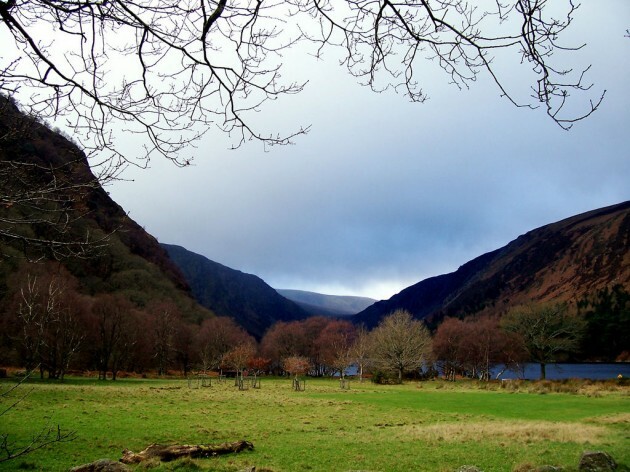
469,468
596,461
102,465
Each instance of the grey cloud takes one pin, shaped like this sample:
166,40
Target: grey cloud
383,193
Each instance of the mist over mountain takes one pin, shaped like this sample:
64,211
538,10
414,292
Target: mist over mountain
573,260
327,305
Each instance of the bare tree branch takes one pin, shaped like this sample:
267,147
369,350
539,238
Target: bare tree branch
166,72
169,71
48,435
394,38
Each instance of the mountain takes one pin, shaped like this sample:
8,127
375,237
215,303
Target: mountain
50,201
573,260
228,292
327,305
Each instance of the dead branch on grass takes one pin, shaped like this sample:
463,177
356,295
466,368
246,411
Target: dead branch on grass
167,453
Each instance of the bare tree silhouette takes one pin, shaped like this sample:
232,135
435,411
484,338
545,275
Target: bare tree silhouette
170,70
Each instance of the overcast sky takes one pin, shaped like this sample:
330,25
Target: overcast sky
383,193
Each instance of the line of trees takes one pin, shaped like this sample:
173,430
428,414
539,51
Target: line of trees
48,324
472,347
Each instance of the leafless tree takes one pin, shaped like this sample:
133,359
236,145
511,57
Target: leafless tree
166,320
284,340
50,318
360,352
400,344
334,343
68,331
170,70
546,330
448,343
216,337
30,314
238,357
475,346
112,333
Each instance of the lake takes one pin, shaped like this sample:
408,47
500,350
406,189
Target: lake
594,371
587,370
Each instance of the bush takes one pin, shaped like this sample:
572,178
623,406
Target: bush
384,378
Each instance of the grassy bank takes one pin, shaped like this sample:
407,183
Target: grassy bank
430,426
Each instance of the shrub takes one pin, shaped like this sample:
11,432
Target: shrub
384,378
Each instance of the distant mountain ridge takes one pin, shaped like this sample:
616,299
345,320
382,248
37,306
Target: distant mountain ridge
562,261
327,305
228,292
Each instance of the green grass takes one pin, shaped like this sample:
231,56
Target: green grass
430,426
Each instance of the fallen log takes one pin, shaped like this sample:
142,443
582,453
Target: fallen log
167,453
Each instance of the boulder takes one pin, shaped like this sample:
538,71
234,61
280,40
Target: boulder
102,465
596,461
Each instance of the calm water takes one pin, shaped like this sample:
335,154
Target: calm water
594,371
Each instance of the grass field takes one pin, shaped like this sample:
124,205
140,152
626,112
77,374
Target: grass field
428,426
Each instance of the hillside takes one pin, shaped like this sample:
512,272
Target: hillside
576,259
228,292
50,202
327,305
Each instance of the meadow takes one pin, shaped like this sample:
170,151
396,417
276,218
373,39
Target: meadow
420,426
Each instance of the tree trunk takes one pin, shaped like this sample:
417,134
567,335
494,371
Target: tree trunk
543,371
168,453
